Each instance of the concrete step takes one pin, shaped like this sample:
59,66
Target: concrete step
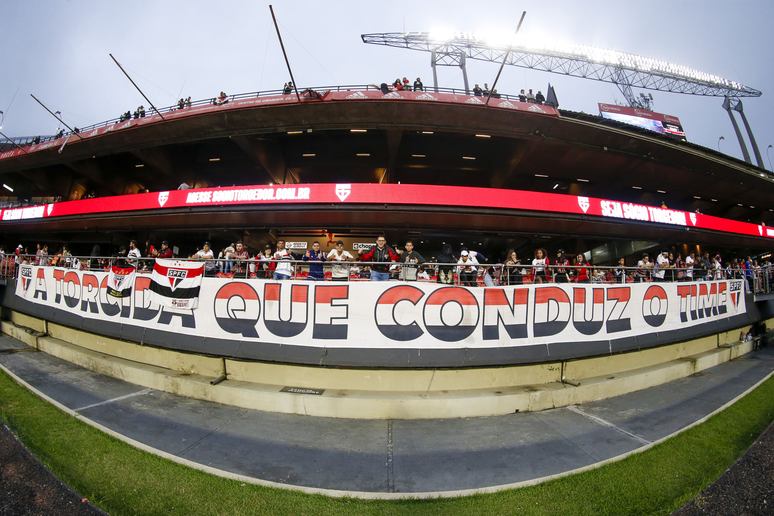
368,403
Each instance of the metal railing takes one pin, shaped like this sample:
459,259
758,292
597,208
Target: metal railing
34,140
759,280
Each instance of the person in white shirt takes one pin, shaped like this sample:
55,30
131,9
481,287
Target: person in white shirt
206,254
539,263
225,254
689,261
134,252
662,263
466,270
340,272
717,269
284,267
644,267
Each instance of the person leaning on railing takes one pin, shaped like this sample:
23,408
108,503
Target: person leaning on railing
165,251
661,265
644,268
209,259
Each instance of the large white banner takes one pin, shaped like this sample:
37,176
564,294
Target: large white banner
394,314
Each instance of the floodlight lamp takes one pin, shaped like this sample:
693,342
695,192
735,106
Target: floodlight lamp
500,40
442,35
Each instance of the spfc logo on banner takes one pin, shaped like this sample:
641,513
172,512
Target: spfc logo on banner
175,276
343,191
119,279
735,291
583,202
26,278
163,197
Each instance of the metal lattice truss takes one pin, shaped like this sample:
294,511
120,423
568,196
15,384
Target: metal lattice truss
625,70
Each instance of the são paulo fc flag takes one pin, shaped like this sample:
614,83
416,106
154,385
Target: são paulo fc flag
120,281
176,283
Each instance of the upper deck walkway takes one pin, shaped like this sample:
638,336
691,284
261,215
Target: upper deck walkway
274,98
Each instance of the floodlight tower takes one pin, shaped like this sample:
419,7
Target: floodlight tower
622,69
729,105
448,57
626,71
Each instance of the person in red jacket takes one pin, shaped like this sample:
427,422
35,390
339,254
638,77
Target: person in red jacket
582,271
165,252
383,254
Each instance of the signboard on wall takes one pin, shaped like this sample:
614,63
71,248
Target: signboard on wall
393,314
657,122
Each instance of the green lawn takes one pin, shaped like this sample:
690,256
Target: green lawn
125,481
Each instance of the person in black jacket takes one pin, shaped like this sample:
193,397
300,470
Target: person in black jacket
446,272
561,268
409,272
382,254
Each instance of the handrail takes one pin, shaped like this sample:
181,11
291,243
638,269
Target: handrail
27,140
761,278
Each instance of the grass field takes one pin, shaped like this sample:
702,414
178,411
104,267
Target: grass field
125,481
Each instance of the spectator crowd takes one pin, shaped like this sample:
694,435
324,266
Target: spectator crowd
383,262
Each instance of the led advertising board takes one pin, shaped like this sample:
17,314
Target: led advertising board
657,122
393,194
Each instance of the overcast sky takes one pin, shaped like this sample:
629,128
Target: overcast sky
58,51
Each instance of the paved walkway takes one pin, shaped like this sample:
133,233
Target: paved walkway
393,456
